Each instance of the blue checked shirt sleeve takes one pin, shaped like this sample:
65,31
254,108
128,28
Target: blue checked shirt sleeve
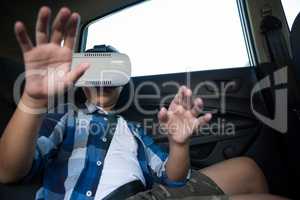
51,135
157,159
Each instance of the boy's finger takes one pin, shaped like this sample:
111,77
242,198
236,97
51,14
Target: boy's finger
163,115
59,25
22,37
42,26
179,96
177,99
201,121
197,107
72,28
187,98
73,75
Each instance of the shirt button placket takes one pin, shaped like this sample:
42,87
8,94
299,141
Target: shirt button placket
104,137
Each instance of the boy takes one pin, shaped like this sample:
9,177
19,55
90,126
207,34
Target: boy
79,162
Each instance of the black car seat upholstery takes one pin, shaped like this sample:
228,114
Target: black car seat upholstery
295,44
293,136
10,70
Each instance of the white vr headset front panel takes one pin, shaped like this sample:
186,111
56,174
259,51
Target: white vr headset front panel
106,69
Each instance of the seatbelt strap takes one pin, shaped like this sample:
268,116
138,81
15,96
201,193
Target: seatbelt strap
271,27
125,191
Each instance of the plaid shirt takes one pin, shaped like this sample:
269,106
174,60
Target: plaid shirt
66,177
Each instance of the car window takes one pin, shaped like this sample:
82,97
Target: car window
173,36
291,9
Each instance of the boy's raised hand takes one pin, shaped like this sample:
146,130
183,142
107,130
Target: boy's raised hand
47,64
181,119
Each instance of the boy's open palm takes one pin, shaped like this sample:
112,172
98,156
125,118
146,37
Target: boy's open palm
181,119
47,65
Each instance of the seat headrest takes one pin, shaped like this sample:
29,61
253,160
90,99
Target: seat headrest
295,42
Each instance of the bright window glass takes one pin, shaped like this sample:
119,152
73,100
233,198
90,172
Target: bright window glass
291,9
170,36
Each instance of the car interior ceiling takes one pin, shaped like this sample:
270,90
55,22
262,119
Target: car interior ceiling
276,154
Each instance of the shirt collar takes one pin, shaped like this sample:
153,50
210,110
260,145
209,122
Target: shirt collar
91,108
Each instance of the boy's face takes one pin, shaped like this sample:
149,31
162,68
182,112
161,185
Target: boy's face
103,96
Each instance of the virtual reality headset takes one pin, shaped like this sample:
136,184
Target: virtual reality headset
108,67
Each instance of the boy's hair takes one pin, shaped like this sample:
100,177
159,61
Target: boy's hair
103,49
